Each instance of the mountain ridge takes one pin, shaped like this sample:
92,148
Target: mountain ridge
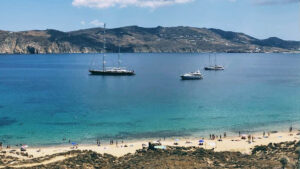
139,39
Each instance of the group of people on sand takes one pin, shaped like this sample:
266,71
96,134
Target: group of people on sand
111,142
264,134
213,136
98,142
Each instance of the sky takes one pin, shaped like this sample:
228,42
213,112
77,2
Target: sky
258,18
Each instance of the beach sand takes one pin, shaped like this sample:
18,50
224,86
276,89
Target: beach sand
232,143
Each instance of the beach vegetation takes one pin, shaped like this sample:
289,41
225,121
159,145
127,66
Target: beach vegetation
259,149
284,162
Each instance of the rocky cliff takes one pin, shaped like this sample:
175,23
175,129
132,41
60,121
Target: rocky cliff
138,39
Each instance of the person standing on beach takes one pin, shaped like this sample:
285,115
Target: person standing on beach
291,129
264,133
224,134
239,134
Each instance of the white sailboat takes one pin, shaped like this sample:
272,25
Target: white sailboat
111,71
215,66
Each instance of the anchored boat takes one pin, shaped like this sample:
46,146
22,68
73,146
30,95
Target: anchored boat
192,76
215,66
111,71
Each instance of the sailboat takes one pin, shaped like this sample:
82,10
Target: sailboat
213,67
111,71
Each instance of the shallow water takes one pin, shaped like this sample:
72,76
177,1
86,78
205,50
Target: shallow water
44,98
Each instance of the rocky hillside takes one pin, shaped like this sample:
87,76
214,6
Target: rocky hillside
138,39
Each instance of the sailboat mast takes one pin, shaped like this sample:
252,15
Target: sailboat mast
215,59
119,57
119,52
104,48
209,59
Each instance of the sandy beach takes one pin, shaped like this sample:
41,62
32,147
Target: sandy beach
230,143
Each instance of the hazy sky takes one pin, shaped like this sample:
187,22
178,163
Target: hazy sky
258,18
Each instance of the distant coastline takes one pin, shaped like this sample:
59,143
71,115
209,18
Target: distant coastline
286,52
134,39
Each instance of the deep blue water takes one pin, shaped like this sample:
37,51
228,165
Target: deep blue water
44,98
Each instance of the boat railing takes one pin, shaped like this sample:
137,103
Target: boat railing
119,68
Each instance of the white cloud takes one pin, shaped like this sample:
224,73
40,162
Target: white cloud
270,2
96,22
125,3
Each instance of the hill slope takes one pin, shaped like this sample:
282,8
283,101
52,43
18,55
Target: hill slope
139,39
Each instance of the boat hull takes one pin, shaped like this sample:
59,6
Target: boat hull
111,73
190,78
212,68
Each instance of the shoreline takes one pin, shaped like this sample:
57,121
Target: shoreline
230,143
281,128
52,155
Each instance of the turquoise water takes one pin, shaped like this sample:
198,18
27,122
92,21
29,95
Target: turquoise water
44,98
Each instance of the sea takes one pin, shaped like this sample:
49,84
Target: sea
49,99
